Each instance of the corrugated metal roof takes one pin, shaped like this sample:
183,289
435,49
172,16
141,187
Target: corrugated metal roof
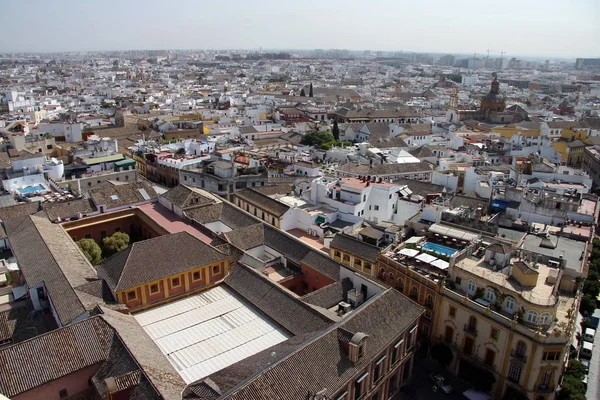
207,332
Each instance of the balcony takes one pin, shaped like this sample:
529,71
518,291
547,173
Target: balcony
470,330
519,356
544,389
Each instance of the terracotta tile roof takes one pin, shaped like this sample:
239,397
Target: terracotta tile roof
321,362
247,237
263,202
113,196
157,258
47,357
355,246
281,306
68,209
384,169
183,197
329,295
19,210
46,254
149,358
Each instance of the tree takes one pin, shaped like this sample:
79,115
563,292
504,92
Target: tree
115,243
302,93
317,138
335,130
572,388
441,353
310,93
588,305
576,369
90,250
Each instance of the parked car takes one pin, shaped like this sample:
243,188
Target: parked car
441,383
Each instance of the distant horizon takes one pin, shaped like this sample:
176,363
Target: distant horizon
533,28
308,50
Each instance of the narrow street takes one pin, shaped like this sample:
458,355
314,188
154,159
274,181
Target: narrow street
420,386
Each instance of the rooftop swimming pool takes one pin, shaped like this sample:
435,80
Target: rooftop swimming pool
438,248
32,188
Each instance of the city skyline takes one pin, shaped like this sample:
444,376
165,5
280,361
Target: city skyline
463,27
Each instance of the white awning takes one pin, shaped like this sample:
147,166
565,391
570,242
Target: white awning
441,264
426,258
452,232
473,394
19,292
409,252
414,239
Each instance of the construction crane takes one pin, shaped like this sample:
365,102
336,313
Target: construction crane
488,54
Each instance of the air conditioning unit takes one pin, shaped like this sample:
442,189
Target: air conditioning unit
343,308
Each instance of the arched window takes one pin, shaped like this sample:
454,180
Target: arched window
490,295
400,285
392,277
521,348
472,322
382,273
532,317
471,287
429,302
545,318
509,305
414,293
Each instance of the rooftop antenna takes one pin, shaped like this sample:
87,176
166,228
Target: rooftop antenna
502,53
488,54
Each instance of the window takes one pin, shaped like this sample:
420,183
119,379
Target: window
545,318
472,287
396,353
378,371
414,293
521,348
457,280
472,323
490,295
392,277
532,317
452,312
401,285
376,208
551,355
428,314
412,334
382,273
63,394
216,270
131,295
175,282
546,378
358,262
509,304
429,301
360,385
102,235
514,372
154,288
494,333
341,396
196,276
368,267
88,236
490,355
337,253
346,257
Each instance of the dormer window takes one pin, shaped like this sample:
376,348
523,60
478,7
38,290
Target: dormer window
357,347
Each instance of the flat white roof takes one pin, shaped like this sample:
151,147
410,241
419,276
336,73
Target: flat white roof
209,331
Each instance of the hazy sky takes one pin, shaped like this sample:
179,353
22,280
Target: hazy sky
567,28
